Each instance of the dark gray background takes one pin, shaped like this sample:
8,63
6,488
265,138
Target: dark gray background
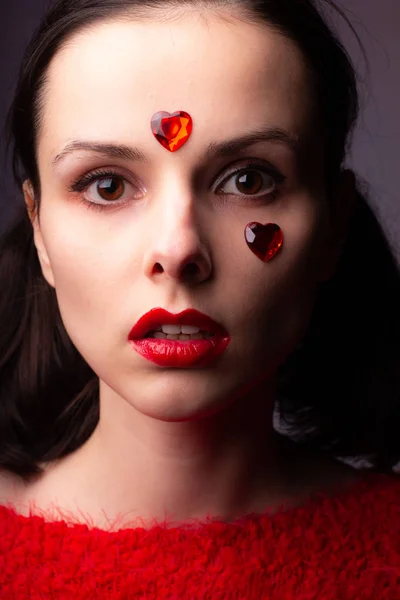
375,153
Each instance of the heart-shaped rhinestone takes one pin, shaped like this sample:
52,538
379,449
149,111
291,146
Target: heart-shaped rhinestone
171,130
263,240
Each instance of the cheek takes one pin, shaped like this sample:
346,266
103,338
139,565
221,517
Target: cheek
81,295
275,316
275,299
85,282
295,264
85,257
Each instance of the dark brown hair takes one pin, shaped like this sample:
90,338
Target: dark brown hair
338,391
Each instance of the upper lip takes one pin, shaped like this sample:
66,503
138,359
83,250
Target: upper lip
158,316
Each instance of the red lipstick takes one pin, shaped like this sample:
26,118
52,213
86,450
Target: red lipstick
178,353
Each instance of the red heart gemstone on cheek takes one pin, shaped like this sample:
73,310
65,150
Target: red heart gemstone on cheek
171,130
263,240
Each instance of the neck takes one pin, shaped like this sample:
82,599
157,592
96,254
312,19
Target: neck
222,465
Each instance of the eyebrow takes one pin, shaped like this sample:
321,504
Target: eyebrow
214,149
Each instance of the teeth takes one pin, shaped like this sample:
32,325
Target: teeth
177,329
189,329
171,329
200,336
173,336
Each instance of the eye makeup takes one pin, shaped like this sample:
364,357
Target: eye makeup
255,173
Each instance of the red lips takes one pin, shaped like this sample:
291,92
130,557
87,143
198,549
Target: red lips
158,316
177,353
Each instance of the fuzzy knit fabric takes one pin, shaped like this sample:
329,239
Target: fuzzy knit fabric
338,547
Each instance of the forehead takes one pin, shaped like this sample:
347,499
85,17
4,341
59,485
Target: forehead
230,76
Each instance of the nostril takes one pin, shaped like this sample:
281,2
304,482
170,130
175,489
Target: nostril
157,268
190,270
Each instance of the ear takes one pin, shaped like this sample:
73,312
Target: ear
31,206
342,208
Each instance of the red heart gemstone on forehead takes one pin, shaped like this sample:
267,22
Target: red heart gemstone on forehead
263,240
171,130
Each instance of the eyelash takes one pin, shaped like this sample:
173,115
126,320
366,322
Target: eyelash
82,183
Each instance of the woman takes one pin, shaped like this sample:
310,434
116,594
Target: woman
191,253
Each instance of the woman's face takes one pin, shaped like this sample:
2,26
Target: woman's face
165,209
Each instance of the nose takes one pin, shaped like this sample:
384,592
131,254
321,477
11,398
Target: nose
176,248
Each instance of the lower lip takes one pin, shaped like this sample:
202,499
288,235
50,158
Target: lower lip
175,353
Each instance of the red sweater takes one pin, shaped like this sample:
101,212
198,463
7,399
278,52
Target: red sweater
342,547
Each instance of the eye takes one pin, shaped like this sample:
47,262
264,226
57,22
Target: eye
105,188
251,180
111,188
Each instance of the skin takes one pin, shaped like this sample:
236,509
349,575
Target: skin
182,443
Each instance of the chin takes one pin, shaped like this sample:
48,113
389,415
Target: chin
177,395
183,398
173,408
